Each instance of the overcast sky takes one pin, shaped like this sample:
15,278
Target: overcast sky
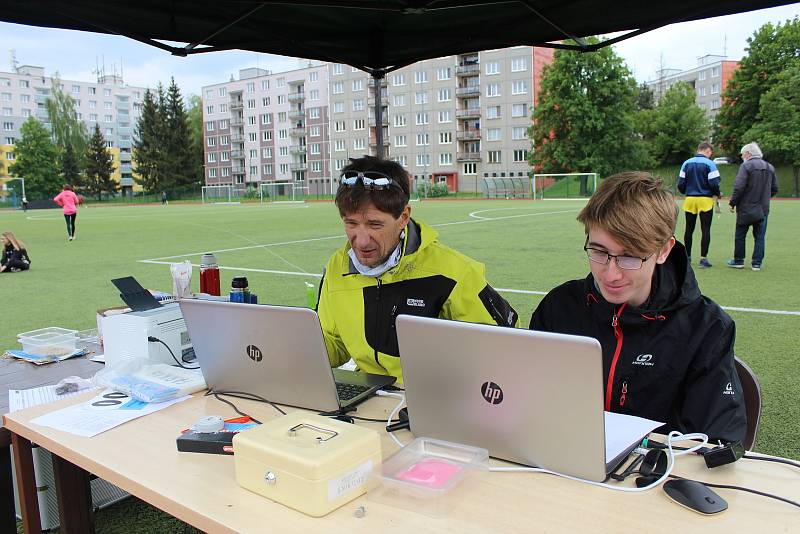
75,55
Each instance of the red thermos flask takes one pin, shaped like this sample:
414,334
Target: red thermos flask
209,274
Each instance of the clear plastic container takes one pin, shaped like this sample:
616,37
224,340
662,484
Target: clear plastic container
50,341
430,476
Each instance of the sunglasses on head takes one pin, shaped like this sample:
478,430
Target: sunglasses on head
369,179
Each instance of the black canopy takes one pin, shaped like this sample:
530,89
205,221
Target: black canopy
376,36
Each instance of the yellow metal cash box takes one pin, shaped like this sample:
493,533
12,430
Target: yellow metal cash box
311,463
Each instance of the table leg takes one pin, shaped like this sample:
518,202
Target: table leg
8,513
74,497
26,485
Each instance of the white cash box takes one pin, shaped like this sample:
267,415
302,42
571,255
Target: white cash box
311,463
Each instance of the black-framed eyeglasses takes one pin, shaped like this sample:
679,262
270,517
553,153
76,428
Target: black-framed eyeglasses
629,263
369,179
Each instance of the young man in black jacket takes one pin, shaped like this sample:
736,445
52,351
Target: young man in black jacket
667,349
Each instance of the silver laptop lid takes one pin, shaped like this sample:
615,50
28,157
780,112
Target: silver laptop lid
275,352
529,397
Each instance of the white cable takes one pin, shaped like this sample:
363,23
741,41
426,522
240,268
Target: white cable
402,398
671,454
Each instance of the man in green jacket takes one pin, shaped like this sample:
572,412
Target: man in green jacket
392,265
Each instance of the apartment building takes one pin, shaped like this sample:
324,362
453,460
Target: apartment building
455,119
708,79
107,102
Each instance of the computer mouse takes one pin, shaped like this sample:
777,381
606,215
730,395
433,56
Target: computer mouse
695,496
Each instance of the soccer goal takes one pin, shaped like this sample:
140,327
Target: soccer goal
283,191
564,185
220,194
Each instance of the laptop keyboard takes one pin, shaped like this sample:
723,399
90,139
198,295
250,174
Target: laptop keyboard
349,391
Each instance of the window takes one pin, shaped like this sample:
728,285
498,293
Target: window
266,152
93,91
223,91
399,140
340,145
27,113
316,166
359,143
519,87
106,92
6,97
399,120
715,89
212,173
340,163
283,134
423,160
314,113
702,75
107,105
7,112
398,80
224,156
444,95
520,155
266,118
358,85
421,97
493,89
209,109
225,171
8,126
422,139
446,158
358,104
422,118
493,134
251,120
445,116
76,89
421,76
338,88
518,64
253,170
265,101
212,157
399,100
337,69
316,148
266,135
494,156
251,86
703,91
252,136
519,132
493,67
211,141
10,141
313,76
223,108
715,72
284,168
251,103
22,83
314,131
519,110
264,85
224,140
443,73
313,94
281,99
470,168
108,118
281,116
359,124
493,112
24,98
283,151
339,126
715,103
223,124
209,126
445,138
209,93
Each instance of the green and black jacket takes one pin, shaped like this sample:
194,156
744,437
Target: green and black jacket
358,312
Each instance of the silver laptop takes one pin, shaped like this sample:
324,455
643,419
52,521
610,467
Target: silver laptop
275,352
529,397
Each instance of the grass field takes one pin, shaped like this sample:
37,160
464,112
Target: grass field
528,247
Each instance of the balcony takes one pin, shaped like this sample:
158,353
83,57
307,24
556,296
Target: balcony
125,168
126,181
472,113
297,132
468,70
123,143
298,167
237,154
371,101
297,149
125,157
123,106
384,121
468,156
237,169
237,121
297,115
237,138
373,143
237,103
299,96
124,130
468,92
468,135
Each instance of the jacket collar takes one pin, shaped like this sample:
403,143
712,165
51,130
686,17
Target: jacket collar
416,236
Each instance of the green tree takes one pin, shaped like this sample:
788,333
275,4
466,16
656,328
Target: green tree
195,117
770,50
99,166
584,121
178,154
675,127
644,98
65,127
148,145
35,161
68,163
777,128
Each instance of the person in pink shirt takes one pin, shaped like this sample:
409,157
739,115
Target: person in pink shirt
68,200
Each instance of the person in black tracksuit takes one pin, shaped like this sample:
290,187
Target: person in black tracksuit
667,350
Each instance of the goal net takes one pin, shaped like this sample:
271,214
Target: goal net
564,185
220,194
283,191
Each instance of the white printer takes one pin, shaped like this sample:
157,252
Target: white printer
125,336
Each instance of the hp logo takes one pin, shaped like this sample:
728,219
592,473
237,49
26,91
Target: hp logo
254,353
492,393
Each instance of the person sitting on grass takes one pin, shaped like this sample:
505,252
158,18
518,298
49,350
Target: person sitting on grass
667,349
14,256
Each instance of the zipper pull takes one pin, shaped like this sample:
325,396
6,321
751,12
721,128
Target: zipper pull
624,394
378,292
614,320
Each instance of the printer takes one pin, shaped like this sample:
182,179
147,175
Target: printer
125,336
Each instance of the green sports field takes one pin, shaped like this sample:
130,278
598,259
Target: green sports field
528,248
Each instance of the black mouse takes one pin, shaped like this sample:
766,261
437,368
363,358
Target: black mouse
695,496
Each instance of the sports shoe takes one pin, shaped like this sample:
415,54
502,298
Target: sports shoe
735,264
756,267
71,238
704,263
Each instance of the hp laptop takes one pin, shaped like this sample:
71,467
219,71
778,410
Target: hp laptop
532,398
275,352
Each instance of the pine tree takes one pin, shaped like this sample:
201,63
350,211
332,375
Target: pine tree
35,161
148,145
178,154
70,172
99,166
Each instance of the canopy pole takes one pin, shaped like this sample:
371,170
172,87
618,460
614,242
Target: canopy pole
377,76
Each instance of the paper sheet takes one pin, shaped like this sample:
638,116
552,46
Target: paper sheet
624,430
103,412
19,399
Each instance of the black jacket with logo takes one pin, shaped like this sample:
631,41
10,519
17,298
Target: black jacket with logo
670,360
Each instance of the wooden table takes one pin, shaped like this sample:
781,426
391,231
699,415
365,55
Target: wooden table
200,489
16,374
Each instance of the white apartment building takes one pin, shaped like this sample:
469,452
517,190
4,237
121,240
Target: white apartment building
455,119
108,102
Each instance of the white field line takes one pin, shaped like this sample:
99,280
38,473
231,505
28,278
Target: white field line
248,269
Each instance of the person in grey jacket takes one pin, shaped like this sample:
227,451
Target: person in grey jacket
755,184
